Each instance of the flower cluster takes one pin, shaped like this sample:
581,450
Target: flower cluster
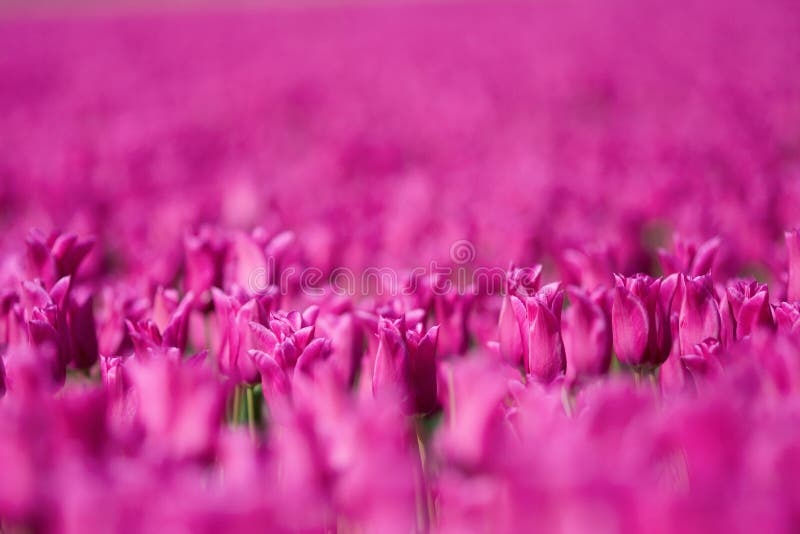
637,369
669,400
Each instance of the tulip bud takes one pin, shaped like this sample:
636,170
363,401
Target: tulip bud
391,359
546,359
787,317
689,257
749,303
2,378
699,317
639,323
587,336
510,327
793,247
204,260
422,368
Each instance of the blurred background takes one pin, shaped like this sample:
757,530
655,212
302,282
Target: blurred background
382,132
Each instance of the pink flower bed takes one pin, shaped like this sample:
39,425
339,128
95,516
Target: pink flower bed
402,268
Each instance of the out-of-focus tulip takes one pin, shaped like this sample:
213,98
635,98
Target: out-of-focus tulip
147,335
787,317
406,363
204,260
51,258
749,303
590,268
690,258
587,336
793,248
180,404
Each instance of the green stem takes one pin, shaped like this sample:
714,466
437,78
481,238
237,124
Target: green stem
251,411
237,395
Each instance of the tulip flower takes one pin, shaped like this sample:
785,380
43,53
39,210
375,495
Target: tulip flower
519,283
640,324
512,316
204,260
690,258
587,336
167,328
451,312
591,267
2,378
699,317
749,303
793,248
56,256
237,336
180,405
545,348
61,319
406,361
787,317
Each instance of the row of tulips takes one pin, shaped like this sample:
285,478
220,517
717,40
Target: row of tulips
546,407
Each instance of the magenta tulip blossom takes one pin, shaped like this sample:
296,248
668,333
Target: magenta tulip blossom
793,247
260,268
586,332
640,324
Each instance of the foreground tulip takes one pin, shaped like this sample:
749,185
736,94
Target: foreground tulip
179,405
587,336
793,248
640,325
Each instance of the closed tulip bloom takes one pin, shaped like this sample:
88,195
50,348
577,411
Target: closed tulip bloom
406,361
690,258
749,304
545,359
587,336
639,322
204,260
787,317
699,317
793,248
511,329
2,378
513,316
51,258
391,359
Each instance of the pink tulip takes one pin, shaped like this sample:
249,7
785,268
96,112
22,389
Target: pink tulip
793,247
699,317
690,258
587,336
749,302
545,351
639,322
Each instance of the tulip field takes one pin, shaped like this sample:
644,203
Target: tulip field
401,267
